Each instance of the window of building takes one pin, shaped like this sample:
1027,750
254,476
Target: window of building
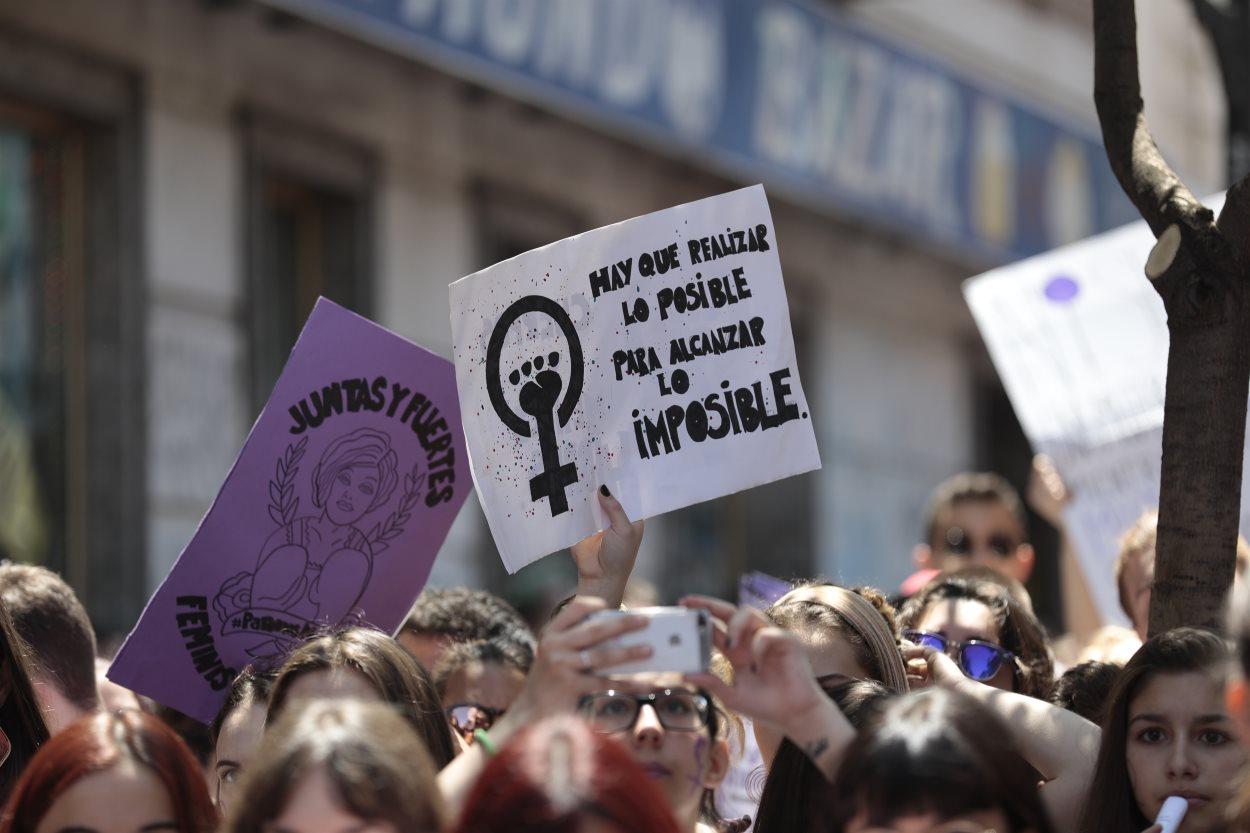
41,351
71,325
309,234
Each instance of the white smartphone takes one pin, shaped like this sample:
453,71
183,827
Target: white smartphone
680,640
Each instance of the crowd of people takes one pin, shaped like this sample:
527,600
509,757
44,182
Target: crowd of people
940,710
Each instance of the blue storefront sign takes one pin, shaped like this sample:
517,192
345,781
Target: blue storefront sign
800,97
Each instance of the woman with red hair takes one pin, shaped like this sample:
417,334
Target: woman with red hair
112,773
561,777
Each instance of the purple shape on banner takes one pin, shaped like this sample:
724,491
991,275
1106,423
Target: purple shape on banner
760,590
331,515
1061,289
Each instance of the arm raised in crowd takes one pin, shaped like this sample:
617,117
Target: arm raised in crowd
571,656
1061,745
606,559
773,682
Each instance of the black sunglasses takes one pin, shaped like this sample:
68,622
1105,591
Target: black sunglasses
957,542
977,658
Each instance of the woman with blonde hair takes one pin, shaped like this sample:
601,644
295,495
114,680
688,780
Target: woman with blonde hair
847,635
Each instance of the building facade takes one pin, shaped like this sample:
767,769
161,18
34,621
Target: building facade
180,179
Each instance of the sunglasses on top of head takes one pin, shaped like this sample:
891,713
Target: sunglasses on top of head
978,659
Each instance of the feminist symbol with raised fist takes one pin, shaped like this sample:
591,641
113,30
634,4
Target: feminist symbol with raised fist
541,382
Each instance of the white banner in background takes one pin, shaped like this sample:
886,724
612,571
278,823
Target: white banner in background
1080,341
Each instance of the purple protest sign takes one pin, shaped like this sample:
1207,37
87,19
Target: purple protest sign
760,590
331,515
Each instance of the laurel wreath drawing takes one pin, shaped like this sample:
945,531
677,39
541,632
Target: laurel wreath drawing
390,529
282,501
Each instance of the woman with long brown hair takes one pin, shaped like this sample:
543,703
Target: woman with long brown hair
935,760
980,624
366,664
1167,732
1059,746
345,765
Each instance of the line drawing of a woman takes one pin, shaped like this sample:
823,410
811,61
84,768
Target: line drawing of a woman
317,566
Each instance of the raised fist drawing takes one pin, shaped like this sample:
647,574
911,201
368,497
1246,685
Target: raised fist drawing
544,394
539,395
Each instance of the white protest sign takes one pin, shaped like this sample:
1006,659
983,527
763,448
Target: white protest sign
653,357
1080,341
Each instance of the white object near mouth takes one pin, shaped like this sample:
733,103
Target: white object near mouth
1172,813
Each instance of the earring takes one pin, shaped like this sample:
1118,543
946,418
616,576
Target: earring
6,746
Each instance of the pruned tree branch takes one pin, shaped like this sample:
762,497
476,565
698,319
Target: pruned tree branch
1163,255
1234,222
1157,192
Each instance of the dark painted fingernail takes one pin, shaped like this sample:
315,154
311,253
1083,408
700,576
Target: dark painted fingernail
603,490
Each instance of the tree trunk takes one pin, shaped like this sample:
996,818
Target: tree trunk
1199,268
1204,420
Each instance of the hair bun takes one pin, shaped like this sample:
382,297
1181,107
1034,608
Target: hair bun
878,600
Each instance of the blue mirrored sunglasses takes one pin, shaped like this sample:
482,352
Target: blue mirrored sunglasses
978,659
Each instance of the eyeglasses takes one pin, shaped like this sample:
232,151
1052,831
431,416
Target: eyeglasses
978,659
466,718
957,542
617,711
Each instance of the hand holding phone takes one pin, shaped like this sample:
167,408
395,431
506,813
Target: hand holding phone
773,679
680,640
773,682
